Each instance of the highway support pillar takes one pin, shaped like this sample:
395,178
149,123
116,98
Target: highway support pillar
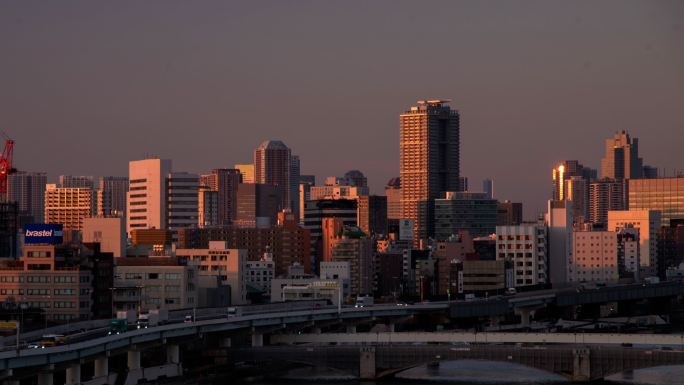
101,367
73,374
351,329
581,365
225,342
133,360
172,354
524,316
257,339
391,327
367,363
45,378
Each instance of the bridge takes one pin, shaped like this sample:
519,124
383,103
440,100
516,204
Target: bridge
577,363
97,351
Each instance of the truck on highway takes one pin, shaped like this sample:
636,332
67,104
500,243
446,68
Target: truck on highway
234,312
153,318
124,319
50,340
363,301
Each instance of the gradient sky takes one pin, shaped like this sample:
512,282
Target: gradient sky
86,86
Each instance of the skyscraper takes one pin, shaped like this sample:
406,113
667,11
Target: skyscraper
68,206
295,169
225,181
393,194
28,190
356,178
571,183
622,158
663,194
111,195
605,195
273,165
77,181
146,202
247,172
429,146
488,187
181,200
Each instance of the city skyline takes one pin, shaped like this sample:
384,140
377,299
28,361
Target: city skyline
532,99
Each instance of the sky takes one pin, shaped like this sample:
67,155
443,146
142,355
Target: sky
86,86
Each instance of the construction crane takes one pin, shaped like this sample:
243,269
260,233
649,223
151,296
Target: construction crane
6,167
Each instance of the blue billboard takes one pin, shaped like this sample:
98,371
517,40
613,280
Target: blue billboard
41,233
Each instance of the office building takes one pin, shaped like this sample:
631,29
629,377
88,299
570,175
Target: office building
207,207
479,277
559,246
181,200
218,260
393,194
246,171
71,181
629,253
145,283
372,214
259,274
330,229
454,248
111,196
355,248
509,213
9,226
305,184
257,205
273,166
665,195
28,190
571,183
146,206
68,206
109,232
429,145
45,278
621,160
355,178
605,195
463,185
525,246
295,170
337,188
488,188
594,257
225,182
472,212
648,222
287,242
316,210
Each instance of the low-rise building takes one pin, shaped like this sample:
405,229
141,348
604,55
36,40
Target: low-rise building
525,246
594,257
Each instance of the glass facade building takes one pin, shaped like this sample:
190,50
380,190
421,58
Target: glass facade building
663,194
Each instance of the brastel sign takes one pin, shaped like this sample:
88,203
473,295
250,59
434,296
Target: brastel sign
40,233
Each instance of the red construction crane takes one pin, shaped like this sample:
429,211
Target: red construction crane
6,163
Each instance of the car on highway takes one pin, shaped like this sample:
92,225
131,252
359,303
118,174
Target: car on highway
188,319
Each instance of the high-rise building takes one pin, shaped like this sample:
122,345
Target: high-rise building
594,257
571,183
247,172
111,195
316,210
273,165
305,184
622,158
648,222
356,178
393,194
28,190
9,225
146,206
372,214
356,248
458,211
509,213
463,184
662,194
429,150
207,207
225,181
181,200
488,188
257,205
77,181
330,229
295,169
526,246
605,195
559,245
68,206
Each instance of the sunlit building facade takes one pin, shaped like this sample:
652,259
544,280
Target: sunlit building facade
665,195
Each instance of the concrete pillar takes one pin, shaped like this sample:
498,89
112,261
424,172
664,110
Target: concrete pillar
225,342
257,340
45,378
133,360
351,328
101,367
581,365
73,374
172,354
391,327
367,363
524,316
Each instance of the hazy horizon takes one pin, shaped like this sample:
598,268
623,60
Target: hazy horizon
88,86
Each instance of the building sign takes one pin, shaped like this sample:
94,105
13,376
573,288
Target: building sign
40,233
406,229
9,325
